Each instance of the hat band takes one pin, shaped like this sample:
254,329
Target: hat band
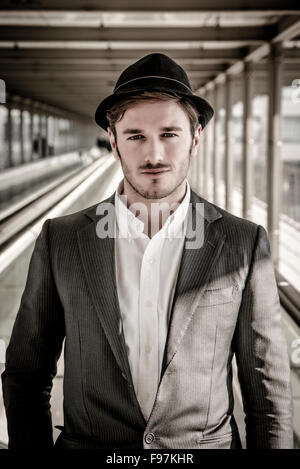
152,76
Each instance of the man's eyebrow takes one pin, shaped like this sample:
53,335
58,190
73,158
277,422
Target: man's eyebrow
132,131
164,129
170,129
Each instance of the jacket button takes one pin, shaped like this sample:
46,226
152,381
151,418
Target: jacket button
149,438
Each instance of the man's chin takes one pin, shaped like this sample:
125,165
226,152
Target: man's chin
154,194
150,192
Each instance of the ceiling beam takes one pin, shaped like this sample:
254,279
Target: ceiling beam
92,69
286,29
185,58
205,6
125,57
122,55
110,69
108,64
206,34
88,75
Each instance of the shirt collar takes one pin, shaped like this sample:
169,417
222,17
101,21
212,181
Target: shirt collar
131,226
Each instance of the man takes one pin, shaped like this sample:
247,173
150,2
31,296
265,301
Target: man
153,298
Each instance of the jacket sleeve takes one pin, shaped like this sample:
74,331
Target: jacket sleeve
262,356
32,353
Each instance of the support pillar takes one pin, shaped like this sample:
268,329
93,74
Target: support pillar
22,136
31,135
9,137
228,145
248,141
200,161
205,163
216,149
274,144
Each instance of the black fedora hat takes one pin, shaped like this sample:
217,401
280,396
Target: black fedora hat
154,72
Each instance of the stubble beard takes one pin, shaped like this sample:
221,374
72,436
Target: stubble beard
153,194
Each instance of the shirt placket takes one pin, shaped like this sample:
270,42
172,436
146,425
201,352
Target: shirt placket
148,374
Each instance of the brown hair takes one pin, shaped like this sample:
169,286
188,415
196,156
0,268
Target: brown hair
117,110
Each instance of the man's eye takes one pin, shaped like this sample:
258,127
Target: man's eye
139,136
135,137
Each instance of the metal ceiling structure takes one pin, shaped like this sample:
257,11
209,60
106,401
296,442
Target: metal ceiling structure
69,54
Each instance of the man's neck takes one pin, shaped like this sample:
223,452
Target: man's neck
159,209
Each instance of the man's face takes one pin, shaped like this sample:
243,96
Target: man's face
154,135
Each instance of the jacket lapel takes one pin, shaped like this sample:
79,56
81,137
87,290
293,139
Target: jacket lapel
97,256
195,269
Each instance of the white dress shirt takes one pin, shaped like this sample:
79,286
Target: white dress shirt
146,275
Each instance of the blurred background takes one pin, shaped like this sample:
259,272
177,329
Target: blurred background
59,59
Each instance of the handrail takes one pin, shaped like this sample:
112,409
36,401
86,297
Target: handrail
289,297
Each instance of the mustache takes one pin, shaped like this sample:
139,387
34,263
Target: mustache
150,167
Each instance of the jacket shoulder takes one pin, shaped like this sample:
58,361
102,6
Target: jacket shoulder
225,219
237,229
76,220
229,219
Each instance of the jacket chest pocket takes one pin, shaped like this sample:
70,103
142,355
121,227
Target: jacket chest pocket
218,296
220,306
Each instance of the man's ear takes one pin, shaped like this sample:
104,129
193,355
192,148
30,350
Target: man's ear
113,143
196,140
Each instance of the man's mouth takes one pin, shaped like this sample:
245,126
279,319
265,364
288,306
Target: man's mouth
155,171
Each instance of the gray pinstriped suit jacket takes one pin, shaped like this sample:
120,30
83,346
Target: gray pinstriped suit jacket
225,302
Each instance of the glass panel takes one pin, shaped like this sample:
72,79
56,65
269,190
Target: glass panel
221,156
289,241
16,137
27,144
237,155
55,136
36,142
62,136
4,160
51,135
259,154
209,135
44,150
68,136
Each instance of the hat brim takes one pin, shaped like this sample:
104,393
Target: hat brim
204,109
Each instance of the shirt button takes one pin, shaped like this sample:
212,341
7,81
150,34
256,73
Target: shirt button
148,303
151,260
149,438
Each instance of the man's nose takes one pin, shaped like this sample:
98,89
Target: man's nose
154,151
